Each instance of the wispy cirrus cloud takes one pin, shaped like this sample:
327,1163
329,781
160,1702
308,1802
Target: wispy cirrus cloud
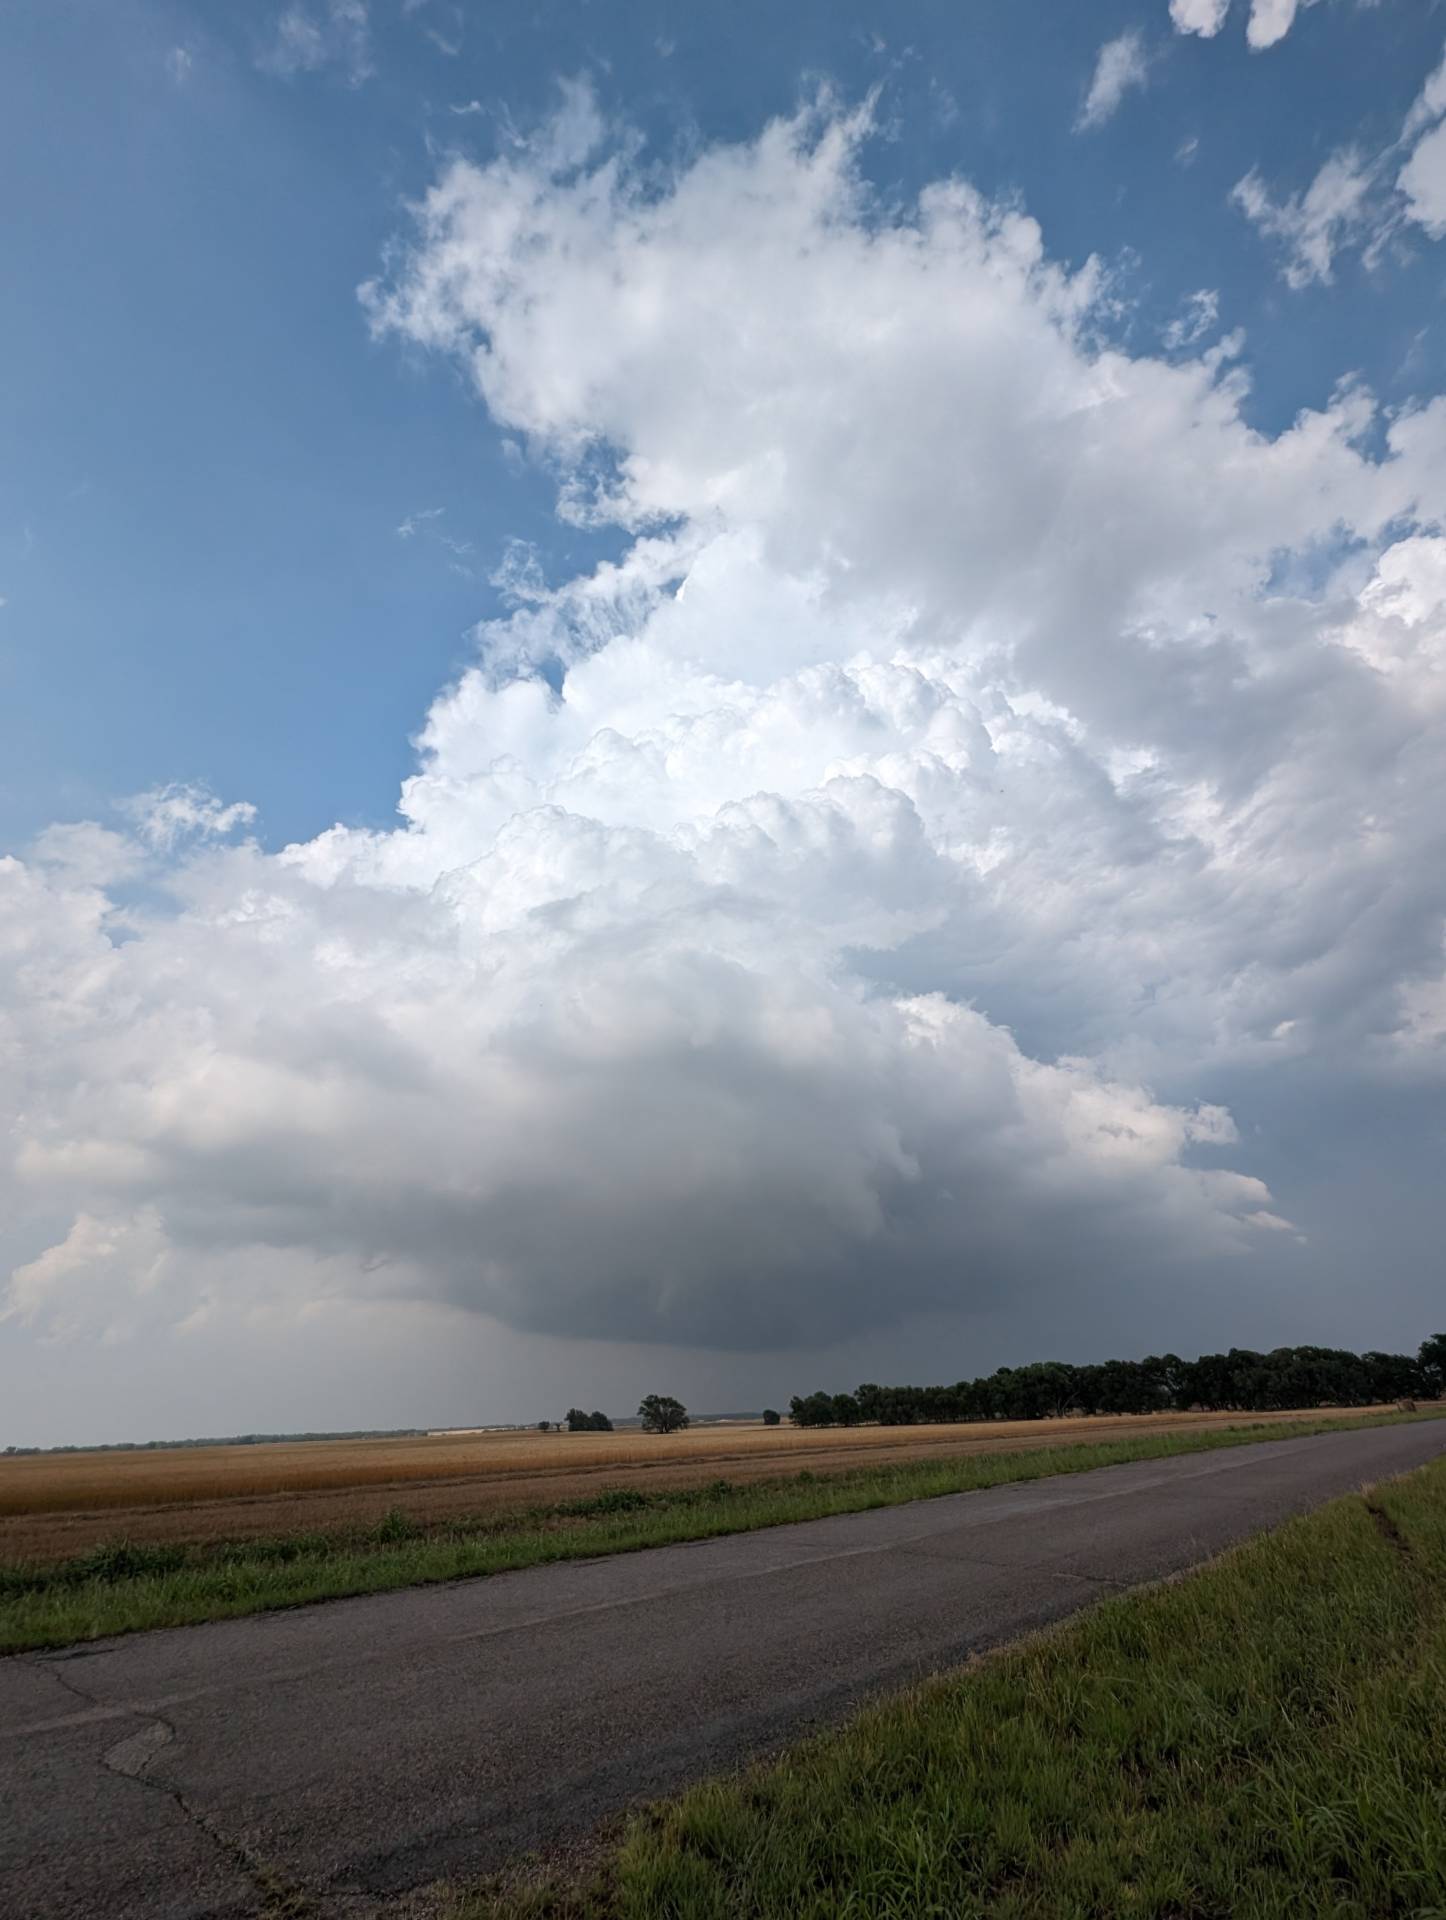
1359,200
1197,316
1336,209
313,35
425,521
407,528
1120,66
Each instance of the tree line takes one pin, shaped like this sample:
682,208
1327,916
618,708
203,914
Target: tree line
1240,1381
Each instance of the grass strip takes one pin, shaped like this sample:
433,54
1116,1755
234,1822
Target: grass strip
1261,1740
124,1588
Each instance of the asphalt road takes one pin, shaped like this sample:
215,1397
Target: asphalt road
353,1750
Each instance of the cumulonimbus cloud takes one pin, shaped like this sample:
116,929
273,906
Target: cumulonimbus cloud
834,905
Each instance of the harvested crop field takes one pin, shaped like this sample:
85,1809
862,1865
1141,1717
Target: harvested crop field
56,1505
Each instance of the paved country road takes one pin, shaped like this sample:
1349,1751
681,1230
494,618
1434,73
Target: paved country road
353,1750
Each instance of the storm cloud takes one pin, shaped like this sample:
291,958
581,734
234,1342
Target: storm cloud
985,762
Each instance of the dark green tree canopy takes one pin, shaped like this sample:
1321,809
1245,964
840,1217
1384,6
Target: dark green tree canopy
1238,1381
1432,1363
661,1413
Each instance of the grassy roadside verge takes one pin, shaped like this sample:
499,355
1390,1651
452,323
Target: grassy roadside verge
1264,1738
121,1588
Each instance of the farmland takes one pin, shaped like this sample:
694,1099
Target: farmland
207,1570
53,1506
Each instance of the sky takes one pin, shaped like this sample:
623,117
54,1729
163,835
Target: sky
712,701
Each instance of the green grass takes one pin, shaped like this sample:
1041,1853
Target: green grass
1262,1740
122,1588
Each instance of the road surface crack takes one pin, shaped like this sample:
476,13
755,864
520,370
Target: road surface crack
51,1669
131,1759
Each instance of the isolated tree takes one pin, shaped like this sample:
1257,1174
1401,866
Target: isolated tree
578,1421
661,1413
599,1422
771,1416
544,1426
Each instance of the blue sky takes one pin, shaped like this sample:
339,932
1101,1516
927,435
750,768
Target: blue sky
712,700
209,456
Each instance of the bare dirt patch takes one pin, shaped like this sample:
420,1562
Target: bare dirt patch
52,1506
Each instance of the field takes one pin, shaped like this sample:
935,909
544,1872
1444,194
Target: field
207,1570
1261,1739
53,1506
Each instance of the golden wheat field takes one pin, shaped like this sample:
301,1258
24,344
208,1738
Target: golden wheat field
56,1504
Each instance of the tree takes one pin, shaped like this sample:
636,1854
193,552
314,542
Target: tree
544,1426
578,1421
1391,1376
1238,1381
661,1413
599,1422
1432,1362
870,1400
771,1417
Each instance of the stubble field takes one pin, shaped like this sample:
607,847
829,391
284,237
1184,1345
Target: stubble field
56,1505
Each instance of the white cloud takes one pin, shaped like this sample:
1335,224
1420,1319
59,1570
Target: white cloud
1335,209
942,794
1268,23
87,854
1422,180
424,522
169,816
407,528
1120,65
1198,315
1205,17
1399,623
179,62
1314,225
1271,20
329,33
1429,105
1350,202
